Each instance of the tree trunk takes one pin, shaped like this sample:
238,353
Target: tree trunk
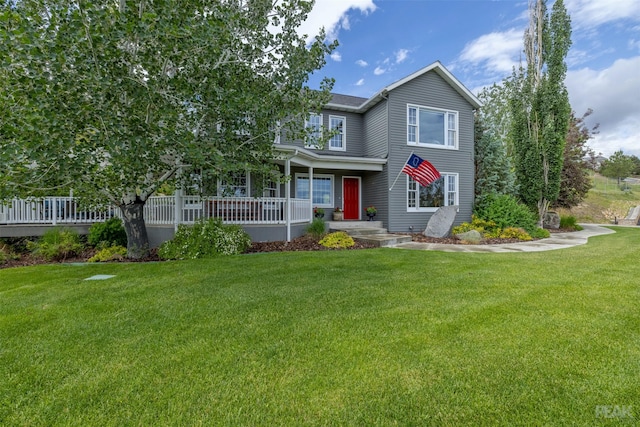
137,239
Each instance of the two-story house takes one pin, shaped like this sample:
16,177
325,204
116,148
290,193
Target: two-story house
429,113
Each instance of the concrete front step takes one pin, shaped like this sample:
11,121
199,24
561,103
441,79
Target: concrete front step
348,225
383,239
369,231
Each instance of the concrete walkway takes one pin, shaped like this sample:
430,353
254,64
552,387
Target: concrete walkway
556,241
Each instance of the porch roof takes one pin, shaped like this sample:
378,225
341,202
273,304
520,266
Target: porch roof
304,157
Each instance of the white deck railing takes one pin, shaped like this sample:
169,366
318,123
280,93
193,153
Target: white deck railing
160,210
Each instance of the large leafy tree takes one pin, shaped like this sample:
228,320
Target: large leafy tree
540,106
575,178
113,98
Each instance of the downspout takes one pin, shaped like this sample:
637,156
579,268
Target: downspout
385,96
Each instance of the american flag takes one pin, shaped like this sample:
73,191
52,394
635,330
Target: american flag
420,170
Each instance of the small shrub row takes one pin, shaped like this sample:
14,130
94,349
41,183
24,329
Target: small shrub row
204,239
490,230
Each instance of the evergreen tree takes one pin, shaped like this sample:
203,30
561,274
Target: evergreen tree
493,171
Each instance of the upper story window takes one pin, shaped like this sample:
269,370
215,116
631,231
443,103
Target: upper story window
337,127
441,192
314,130
432,127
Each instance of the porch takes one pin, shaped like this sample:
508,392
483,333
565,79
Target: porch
164,211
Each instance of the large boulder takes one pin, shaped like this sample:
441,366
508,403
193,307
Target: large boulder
551,221
441,222
472,236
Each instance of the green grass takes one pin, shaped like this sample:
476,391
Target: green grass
369,337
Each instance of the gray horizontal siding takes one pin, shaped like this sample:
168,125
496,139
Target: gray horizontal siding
354,137
376,131
428,90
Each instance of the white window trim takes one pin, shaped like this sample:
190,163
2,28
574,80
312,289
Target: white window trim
446,190
344,133
317,175
307,144
445,130
221,184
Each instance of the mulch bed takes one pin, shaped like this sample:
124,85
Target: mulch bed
304,243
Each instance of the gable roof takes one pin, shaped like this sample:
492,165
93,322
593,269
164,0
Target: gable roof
350,103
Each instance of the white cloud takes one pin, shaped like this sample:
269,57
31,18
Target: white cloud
332,15
401,55
362,63
379,71
612,94
336,56
360,82
498,52
593,13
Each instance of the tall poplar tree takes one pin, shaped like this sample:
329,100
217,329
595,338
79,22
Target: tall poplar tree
113,98
540,106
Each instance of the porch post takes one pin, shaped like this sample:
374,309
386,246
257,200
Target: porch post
177,208
287,194
311,192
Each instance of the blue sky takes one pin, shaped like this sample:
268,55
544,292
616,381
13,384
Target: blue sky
480,41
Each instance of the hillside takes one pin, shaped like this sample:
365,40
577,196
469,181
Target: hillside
605,201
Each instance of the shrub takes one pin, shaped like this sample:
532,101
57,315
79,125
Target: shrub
337,240
540,233
57,244
204,239
506,211
570,223
111,253
108,233
316,228
515,233
6,253
480,225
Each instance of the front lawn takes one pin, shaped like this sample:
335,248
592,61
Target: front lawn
370,337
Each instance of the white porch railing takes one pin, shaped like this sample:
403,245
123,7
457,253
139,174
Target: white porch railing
160,210
51,210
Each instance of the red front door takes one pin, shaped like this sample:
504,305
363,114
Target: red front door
351,198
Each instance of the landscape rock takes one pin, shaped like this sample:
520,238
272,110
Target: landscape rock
471,236
551,221
441,222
